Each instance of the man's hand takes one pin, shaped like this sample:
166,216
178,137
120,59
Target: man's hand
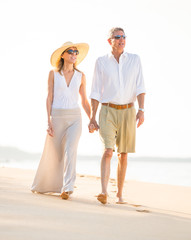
93,126
140,118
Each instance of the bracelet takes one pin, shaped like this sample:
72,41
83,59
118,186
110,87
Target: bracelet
141,109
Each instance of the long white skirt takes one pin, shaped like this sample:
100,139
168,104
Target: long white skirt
57,168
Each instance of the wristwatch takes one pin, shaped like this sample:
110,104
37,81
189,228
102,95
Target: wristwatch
141,109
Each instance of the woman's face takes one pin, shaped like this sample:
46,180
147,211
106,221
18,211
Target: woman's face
70,55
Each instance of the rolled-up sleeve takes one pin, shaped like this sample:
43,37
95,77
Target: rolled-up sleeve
96,83
140,85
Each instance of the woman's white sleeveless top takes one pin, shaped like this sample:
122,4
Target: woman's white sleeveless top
66,97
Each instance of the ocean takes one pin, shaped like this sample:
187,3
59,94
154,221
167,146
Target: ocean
173,171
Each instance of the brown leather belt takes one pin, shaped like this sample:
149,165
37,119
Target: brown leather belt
118,106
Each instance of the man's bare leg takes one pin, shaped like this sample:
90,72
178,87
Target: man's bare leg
105,174
121,172
105,168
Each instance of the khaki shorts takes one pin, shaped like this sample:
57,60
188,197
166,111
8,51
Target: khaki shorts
118,127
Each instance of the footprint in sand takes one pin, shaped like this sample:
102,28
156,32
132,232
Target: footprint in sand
135,205
143,211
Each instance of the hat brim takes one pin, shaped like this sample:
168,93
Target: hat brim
82,48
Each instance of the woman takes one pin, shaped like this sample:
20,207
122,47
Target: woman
57,168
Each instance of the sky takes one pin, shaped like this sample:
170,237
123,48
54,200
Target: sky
158,31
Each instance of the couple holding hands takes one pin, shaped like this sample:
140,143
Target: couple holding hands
117,84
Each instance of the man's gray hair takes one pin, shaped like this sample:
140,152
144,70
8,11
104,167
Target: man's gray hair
111,32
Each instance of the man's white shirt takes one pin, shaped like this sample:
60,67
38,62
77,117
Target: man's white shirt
117,83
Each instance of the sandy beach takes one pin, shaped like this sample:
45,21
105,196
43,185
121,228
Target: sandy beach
153,212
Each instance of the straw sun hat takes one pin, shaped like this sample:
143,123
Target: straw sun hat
82,48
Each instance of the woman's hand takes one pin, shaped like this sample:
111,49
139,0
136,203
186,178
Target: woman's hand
93,126
50,129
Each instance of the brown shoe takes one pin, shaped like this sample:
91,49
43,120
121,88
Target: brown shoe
64,195
102,198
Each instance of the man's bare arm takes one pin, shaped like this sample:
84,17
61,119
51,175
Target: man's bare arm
93,123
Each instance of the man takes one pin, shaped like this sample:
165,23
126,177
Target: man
117,83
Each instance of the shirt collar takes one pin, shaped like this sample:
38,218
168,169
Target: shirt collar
123,55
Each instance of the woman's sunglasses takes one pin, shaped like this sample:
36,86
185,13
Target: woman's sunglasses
119,36
70,51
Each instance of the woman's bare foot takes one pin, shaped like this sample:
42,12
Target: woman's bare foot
65,195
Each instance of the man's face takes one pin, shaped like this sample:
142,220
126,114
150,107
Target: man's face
117,41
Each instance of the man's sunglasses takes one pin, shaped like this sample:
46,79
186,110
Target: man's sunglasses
119,36
70,51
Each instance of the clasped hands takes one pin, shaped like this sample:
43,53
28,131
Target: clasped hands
93,126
